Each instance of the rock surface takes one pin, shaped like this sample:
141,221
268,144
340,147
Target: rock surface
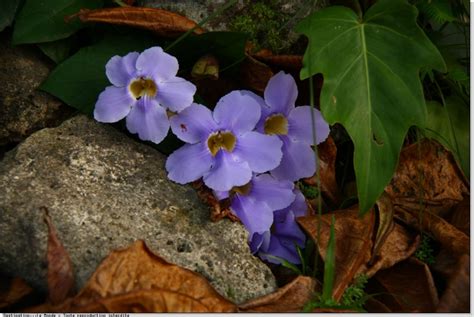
104,191
23,108
291,11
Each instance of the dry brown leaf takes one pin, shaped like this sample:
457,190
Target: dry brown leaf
327,152
449,236
406,287
373,305
399,245
135,279
287,62
15,290
461,216
353,242
290,298
161,22
255,74
385,223
455,298
427,176
60,270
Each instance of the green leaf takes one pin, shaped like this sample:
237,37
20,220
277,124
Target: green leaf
80,79
330,264
7,12
371,82
43,20
449,126
58,50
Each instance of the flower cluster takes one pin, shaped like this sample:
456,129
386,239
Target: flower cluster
249,150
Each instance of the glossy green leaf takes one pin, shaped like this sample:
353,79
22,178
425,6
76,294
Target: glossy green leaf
79,80
7,12
371,82
43,20
449,126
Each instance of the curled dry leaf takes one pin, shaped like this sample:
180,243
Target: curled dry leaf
449,236
136,280
399,245
353,242
427,175
393,243
161,22
406,287
60,270
327,152
14,291
455,298
385,223
290,298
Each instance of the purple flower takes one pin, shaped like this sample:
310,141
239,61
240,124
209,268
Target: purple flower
293,126
255,202
222,148
143,87
281,240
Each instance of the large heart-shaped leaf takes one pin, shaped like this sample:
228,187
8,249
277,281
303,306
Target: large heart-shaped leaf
371,82
43,21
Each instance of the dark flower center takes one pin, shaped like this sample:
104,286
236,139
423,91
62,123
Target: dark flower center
143,87
276,124
221,140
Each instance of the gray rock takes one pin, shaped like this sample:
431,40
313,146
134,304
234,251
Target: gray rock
290,11
23,108
104,191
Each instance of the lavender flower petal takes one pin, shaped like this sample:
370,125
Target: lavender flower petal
157,64
262,152
281,249
188,163
281,93
255,215
288,229
176,94
238,111
220,195
300,125
298,207
275,193
193,124
149,120
113,104
259,241
298,161
119,69
228,171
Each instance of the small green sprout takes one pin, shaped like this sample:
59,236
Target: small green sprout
425,250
